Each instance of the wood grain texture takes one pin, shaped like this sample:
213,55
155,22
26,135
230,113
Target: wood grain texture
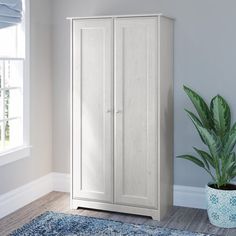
178,217
165,114
135,155
92,110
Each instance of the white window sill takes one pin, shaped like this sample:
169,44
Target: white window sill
15,154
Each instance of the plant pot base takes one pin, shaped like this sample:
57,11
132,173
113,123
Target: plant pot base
217,224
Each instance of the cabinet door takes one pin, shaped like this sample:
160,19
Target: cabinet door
136,111
92,165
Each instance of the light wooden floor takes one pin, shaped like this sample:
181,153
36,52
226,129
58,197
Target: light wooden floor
179,217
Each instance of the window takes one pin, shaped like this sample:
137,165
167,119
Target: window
11,100
13,91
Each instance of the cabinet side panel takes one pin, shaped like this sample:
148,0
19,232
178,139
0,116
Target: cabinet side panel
165,114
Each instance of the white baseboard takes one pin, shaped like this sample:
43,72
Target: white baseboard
9,202
61,182
17,198
187,196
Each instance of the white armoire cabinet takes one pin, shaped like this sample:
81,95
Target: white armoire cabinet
121,119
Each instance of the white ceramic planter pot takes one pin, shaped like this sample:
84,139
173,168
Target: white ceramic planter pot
221,207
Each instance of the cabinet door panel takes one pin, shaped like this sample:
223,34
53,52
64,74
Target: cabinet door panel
136,111
92,103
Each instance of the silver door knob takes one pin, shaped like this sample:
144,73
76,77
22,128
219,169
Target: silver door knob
118,111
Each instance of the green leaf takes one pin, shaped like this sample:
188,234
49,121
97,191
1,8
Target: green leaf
207,158
231,141
193,159
212,141
231,172
227,164
193,117
233,175
221,115
233,156
201,107
232,169
195,121
208,137
230,166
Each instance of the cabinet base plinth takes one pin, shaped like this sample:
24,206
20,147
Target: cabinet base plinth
154,213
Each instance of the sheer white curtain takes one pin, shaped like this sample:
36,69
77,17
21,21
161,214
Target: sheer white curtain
10,12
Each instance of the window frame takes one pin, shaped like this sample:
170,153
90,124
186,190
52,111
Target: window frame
14,154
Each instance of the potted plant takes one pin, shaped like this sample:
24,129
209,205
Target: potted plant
213,124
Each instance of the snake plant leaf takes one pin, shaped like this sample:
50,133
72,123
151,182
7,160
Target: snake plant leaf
195,121
193,159
231,141
221,115
206,157
201,107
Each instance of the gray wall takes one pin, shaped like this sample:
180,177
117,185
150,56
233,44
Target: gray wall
205,59
40,162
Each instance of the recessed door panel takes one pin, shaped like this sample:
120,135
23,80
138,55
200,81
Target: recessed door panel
136,111
92,106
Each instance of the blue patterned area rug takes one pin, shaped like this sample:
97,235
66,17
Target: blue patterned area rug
59,224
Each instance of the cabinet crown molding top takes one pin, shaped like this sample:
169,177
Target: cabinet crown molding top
120,16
